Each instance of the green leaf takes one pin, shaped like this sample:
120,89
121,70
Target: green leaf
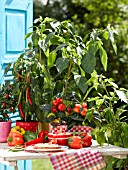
88,62
112,83
125,140
51,59
100,137
105,35
111,37
114,47
42,45
7,68
36,20
104,58
99,102
60,46
122,95
35,38
61,64
89,114
49,36
108,115
81,83
47,19
28,35
94,35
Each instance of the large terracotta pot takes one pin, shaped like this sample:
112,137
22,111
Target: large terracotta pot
31,126
5,128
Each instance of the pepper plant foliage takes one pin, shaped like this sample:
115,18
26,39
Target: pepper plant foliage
57,61
111,102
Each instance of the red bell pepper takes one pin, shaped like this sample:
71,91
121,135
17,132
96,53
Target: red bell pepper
86,139
75,142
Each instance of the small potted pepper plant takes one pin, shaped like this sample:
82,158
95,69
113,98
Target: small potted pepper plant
67,61
7,106
57,62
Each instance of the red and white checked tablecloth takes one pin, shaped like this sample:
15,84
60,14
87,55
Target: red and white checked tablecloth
79,159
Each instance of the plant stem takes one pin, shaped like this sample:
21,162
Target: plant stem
68,75
40,57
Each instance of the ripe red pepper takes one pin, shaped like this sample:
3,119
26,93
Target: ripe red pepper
7,95
61,107
75,142
86,139
34,141
11,109
77,108
44,135
59,100
54,109
4,105
15,138
83,112
29,96
69,110
54,102
84,105
20,110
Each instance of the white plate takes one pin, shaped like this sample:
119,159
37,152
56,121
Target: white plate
31,149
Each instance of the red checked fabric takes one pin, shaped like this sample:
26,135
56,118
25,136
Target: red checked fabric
61,129
80,159
76,130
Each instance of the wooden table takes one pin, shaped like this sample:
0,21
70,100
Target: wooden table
11,158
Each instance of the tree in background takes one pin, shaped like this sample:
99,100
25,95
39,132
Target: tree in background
90,14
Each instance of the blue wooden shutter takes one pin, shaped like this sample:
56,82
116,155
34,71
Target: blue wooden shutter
16,16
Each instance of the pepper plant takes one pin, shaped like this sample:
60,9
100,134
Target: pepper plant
7,102
111,102
57,62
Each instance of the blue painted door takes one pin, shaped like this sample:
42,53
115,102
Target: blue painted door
16,16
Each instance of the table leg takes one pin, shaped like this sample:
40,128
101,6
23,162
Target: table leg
16,167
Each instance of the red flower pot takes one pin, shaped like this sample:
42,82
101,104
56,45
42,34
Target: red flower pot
31,126
5,128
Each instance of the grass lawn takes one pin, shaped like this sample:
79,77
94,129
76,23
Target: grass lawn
41,164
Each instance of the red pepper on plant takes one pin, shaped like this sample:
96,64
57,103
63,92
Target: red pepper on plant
77,108
59,100
11,109
7,95
69,110
6,116
54,109
83,112
29,96
4,105
54,102
21,110
61,107
84,105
